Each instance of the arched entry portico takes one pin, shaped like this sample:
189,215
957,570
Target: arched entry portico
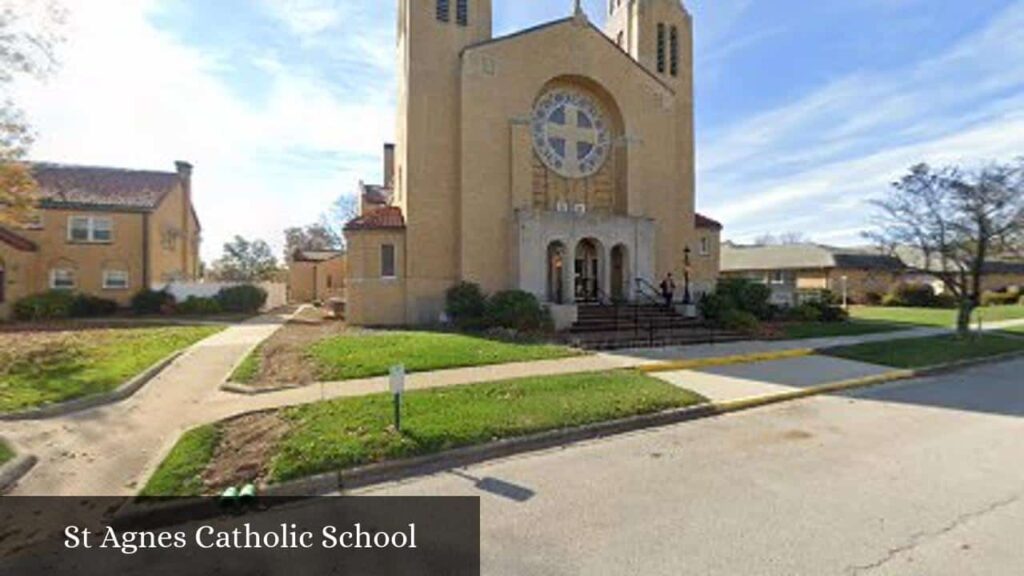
588,270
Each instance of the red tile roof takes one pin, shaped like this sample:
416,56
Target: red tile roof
705,222
387,218
109,188
17,241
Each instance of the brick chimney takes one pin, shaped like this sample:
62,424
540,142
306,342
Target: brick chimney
188,267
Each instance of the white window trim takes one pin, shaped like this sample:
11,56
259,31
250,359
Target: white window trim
53,279
106,280
705,246
90,229
781,280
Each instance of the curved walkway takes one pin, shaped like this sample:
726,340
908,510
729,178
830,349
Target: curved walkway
110,450
104,451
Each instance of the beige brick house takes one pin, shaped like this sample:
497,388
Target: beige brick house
108,232
316,275
558,160
793,270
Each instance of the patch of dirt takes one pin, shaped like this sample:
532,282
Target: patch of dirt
797,435
243,454
283,360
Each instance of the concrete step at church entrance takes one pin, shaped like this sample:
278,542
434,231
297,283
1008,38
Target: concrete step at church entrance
607,327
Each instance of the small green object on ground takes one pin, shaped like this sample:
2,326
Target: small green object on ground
180,474
6,454
933,351
350,432
39,368
350,357
807,330
940,317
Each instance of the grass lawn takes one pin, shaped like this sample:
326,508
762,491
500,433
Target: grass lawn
39,368
179,474
247,371
934,316
353,431
806,330
6,453
349,357
922,352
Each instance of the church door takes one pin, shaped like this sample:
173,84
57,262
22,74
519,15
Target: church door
587,272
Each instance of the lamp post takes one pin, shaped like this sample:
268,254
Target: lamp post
686,277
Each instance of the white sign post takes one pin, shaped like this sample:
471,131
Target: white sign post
397,389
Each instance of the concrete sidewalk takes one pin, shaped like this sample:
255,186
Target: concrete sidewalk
106,450
110,450
758,379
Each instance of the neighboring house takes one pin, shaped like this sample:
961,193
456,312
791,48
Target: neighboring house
107,232
792,271
998,275
316,275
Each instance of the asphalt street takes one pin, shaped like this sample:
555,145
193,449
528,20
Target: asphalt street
917,477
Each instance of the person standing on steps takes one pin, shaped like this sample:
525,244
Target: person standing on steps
668,290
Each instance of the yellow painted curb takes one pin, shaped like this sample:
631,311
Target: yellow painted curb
725,360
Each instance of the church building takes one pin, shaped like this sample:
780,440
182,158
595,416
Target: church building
558,160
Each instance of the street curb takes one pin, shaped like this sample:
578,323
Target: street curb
372,474
697,363
124,391
16,468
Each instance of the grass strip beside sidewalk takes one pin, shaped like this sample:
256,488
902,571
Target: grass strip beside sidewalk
6,454
931,351
43,368
366,356
350,432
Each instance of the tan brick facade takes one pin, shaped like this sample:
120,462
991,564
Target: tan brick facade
469,177
138,247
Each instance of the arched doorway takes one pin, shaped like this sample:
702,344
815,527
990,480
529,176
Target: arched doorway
556,273
620,273
588,270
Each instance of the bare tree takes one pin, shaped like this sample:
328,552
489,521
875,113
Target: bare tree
30,31
342,211
957,221
312,237
784,239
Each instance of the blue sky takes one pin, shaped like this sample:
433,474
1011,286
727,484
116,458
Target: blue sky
805,110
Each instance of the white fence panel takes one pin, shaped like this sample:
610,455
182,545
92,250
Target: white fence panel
277,292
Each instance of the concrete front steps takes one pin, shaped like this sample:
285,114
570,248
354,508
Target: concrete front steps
613,327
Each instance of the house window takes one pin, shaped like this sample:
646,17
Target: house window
462,12
443,10
621,39
777,277
115,280
661,48
674,51
330,281
88,229
387,261
705,246
62,279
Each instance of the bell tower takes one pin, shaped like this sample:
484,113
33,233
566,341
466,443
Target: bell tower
656,33
432,35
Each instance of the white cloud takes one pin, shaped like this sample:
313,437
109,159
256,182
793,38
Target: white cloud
828,152
140,98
